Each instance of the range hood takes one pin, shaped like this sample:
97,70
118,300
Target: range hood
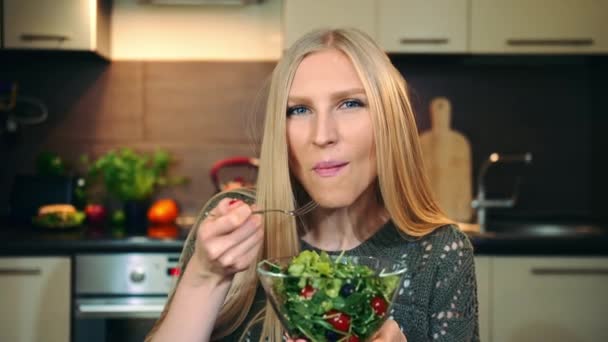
199,2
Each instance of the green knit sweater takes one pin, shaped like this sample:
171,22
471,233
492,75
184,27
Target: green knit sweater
438,298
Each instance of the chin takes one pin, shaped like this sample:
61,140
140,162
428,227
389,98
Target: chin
333,200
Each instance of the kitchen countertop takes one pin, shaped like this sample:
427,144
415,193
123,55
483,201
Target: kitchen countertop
542,238
551,245
26,240
548,240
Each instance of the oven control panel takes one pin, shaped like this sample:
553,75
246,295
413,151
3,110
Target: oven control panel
125,274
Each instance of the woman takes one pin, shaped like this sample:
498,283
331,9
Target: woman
339,130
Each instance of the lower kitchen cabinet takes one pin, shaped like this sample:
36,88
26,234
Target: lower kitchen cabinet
548,299
35,299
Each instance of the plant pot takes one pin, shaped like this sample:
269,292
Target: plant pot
136,221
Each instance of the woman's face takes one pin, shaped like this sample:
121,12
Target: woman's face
329,130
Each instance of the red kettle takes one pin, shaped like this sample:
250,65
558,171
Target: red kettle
236,181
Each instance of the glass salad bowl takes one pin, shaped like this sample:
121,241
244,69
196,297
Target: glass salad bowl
320,298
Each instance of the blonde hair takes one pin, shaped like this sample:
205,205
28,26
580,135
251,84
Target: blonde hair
402,184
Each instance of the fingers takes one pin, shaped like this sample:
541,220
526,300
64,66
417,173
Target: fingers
224,218
241,263
389,331
219,245
221,207
236,252
225,204
240,234
230,238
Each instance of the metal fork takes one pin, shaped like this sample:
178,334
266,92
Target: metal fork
305,209
310,206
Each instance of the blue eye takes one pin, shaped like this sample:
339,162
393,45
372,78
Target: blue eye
353,103
296,110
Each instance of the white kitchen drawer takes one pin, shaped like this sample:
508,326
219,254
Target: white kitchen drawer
35,299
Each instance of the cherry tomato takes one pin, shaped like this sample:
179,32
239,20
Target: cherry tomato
379,305
340,321
307,292
353,338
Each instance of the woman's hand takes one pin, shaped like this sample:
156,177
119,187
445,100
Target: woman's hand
228,240
389,332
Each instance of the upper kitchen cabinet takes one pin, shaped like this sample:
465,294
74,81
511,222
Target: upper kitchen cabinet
302,16
436,26
539,26
57,25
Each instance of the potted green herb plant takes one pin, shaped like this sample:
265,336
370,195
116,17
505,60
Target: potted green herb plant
132,178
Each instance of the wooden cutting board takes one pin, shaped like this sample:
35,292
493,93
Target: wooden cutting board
447,157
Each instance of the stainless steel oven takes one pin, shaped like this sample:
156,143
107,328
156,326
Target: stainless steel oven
118,297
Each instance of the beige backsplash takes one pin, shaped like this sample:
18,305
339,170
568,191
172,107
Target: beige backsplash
199,111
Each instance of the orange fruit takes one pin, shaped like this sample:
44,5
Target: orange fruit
163,211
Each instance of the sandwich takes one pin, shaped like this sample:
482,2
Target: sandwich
58,216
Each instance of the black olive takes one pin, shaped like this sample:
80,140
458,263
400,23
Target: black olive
332,336
347,290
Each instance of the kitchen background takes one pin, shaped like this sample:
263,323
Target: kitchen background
178,86
521,76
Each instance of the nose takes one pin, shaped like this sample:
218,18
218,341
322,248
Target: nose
325,130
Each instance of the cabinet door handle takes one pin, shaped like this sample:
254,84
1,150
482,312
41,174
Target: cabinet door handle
119,311
31,37
550,42
19,271
428,41
569,271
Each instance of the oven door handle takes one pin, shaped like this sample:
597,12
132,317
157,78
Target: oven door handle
139,310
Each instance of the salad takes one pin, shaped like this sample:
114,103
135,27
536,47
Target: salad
332,299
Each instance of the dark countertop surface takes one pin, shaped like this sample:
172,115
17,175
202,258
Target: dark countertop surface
542,238
26,240
510,239
522,245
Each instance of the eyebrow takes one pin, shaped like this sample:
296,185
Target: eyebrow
337,95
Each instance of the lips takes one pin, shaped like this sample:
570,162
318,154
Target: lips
329,168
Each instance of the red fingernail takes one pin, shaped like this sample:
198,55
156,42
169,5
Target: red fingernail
233,202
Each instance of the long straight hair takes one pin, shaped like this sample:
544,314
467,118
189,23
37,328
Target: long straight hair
402,183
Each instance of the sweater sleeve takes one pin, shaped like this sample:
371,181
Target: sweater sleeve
453,307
